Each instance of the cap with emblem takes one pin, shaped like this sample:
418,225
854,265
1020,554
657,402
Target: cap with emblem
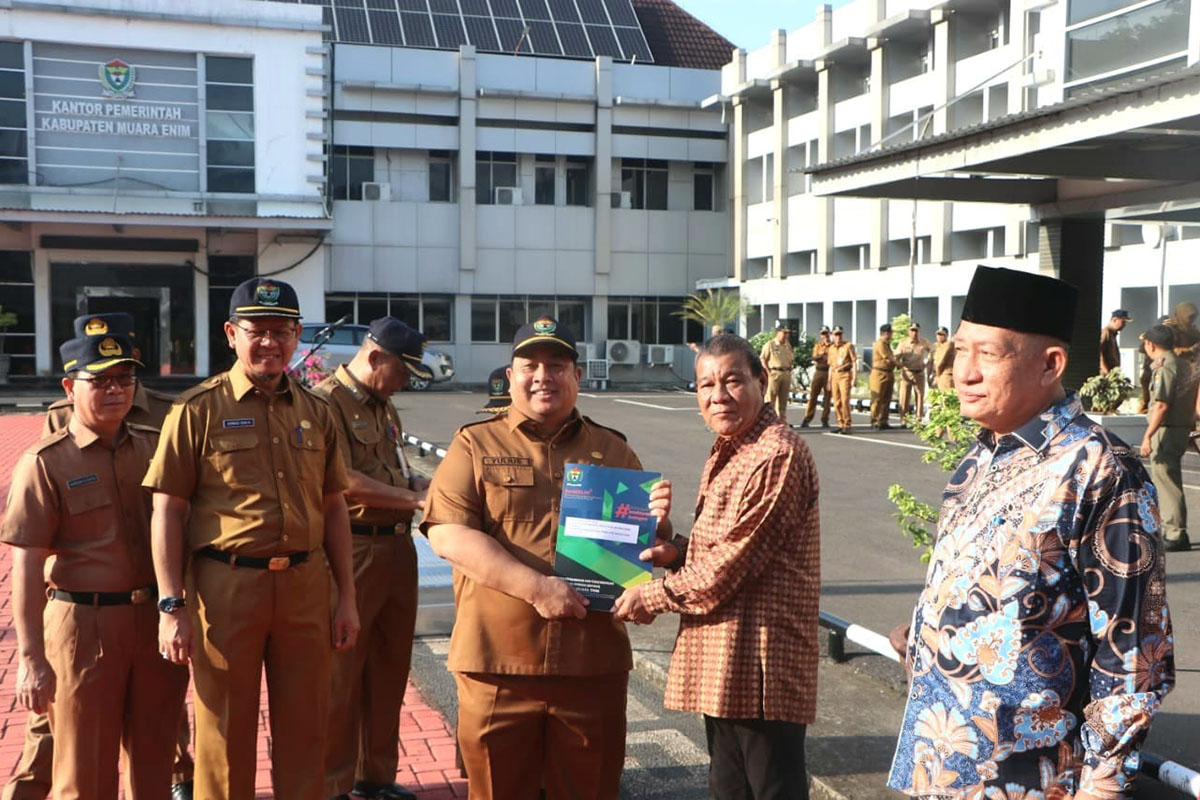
944,330
264,297
838,329
545,330
104,324
498,391
97,353
915,326
1121,313
824,329
1021,301
403,342
1160,335
780,325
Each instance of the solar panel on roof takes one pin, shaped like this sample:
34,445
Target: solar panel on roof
315,2
444,6
412,5
543,38
534,9
574,41
604,42
352,25
478,8
564,10
506,8
633,42
388,5
327,19
385,27
510,35
621,13
418,30
481,32
449,30
592,11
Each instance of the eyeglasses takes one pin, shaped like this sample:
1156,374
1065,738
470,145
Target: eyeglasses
103,383
282,336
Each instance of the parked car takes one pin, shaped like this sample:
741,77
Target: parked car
344,342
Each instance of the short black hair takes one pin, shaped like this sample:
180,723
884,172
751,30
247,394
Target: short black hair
724,344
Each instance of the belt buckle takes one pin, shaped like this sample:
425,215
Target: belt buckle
279,563
139,596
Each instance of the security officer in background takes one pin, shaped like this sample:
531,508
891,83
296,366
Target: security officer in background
32,775
1110,346
1171,417
248,479
541,682
87,643
369,680
942,363
498,400
844,368
913,357
820,381
777,358
883,377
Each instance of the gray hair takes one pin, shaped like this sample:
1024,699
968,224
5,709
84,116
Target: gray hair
724,344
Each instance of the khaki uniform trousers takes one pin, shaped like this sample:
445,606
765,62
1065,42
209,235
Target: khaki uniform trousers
1167,446
779,389
518,733
945,381
881,382
244,618
820,386
114,701
369,681
912,391
841,398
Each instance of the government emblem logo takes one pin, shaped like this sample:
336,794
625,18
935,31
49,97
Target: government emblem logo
116,79
544,326
109,347
498,386
575,476
95,327
267,294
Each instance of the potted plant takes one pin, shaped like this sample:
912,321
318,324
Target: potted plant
1104,395
7,320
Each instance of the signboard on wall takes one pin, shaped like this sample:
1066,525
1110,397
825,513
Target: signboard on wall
104,114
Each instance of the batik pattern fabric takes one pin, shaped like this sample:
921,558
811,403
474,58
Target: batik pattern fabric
1041,646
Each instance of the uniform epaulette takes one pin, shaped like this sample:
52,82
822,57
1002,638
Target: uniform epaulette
312,392
482,421
591,421
140,428
47,441
62,402
206,385
157,395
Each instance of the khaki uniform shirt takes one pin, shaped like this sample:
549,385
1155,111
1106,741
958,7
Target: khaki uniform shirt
1110,353
882,356
842,357
255,468
149,408
913,356
820,355
501,478
370,437
1186,336
943,358
777,355
80,500
1172,383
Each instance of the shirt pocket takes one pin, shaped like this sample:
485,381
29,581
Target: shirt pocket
88,500
235,459
308,453
509,492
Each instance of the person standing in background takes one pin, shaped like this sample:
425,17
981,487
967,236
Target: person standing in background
883,377
843,370
777,358
821,385
1110,347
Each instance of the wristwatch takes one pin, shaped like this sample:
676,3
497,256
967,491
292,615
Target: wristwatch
169,605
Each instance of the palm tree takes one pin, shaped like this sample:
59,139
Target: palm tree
712,308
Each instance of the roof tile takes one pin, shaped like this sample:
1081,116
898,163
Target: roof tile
677,39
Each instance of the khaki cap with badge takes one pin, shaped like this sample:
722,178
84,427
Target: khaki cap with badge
404,342
545,330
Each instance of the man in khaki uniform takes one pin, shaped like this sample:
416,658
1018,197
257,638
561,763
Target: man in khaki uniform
941,373
843,368
541,681
820,385
499,399
88,653
1172,416
1110,346
1183,326
369,680
248,480
778,358
32,776
913,357
882,379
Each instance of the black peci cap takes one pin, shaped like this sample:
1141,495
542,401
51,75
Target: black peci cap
885,327
405,343
1160,335
97,353
545,330
264,297
1122,313
499,398
1021,301
105,324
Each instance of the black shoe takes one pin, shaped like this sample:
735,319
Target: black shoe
1177,545
824,423
885,427
181,791
382,791
804,424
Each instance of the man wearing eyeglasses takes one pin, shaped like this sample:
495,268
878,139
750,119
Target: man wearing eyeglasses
87,641
248,483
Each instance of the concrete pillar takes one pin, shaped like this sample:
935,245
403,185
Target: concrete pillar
468,107
877,236
739,188
825,209
604,164
1018,46
1073,250
824,26
943,83
779,167
200,296
43,342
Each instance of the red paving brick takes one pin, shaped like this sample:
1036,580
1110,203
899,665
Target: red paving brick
427,746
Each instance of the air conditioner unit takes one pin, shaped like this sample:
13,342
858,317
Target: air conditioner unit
508,196
377,191
587,351
622,199
660,354
623,351
595,369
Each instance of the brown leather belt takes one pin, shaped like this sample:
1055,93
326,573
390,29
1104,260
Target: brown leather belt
273,563
779,369
373,530
136,597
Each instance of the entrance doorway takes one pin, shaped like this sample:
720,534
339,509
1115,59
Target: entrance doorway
151,311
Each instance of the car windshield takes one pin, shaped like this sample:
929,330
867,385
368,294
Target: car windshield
347,334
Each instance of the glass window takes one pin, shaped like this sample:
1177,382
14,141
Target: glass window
618,320
646,182
702,189
571,314
543,184
406,309
338,307
493,170
12,113
512,317
234,154
540,307
483,320
229,125
1080,10
12,144
218,69
578,181
221,97
349,169
12,55
1149,33
670,327
436,321
371,308
231,179
440,178
12,84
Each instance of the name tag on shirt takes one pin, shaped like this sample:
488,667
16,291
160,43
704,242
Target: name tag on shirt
248,422
83,480
359,423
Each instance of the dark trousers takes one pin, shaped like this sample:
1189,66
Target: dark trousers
756,759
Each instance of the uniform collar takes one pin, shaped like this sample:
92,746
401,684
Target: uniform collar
83,436
242,385
356,389
765,417
1041,430
515,419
